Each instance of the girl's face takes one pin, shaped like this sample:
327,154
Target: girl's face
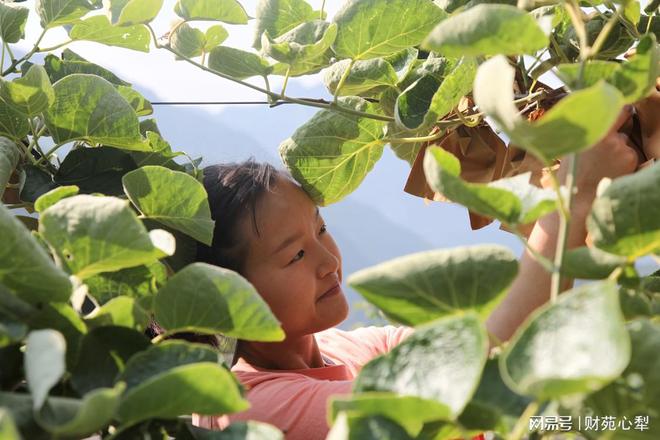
295,265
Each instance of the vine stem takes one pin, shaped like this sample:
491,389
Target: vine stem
57,46
564,226
51,152
321,11
27,56
2,62
523,422
286,81
573,10
543,261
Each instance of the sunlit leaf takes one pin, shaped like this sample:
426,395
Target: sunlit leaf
228,11
237,63
44,363
99,29
12,22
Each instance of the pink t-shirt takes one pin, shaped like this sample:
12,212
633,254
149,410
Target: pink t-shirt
296,401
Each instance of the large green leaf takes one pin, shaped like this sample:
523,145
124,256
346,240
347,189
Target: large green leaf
188,41
172,198
100,234
202,388
139,103
420,287
26,268
440,361
511,200
130,12
487,30
161,358
62,317
72,63
377,28
305,42
408,411
637,77
8,160
37,182
99,29
90,108
625,218
228,11
141,282
12,22
67,417
427,100
53,196
13,124
366,77
553,353
576,123
58,12
592,72
332,153
44,363
589,263
636,391
30,94
209,299
278,17
122,311
237,63
104,352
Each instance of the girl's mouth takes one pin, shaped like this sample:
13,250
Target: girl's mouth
331,292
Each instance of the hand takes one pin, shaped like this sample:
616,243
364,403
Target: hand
611,157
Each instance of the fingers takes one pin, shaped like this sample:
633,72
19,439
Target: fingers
625,114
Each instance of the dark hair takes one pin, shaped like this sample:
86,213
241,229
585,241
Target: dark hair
233,189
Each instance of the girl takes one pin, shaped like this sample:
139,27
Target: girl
271,232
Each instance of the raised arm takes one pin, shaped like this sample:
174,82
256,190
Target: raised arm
611,157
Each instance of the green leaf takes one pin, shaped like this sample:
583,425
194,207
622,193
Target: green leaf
8,160
593,71
400,24
366,78
332,153
139,103
44,363
104,352
202,388
12,22
636,391
487,30
440,361
96,170
58,12
278,17
90,108
172,198
208,299
140,282
356,427
122,311
511,200
99,29
227,11
407,151
161,358
237,63
73,63
80,418
541,359
37,182
188,41
632,11
100,234
420,287
13,124
493,406
132,12
409,412
12,330
251,430
576,123
589,263
428,99
624,218
8,430
636,78
62,317
303,43
53,196
214,36
30,94
26,268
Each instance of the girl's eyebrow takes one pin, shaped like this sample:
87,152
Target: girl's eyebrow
293,238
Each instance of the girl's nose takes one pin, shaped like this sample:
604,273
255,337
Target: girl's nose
329,262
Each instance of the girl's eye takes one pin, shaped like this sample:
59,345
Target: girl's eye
301,253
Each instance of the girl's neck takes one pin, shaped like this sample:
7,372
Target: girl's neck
291,354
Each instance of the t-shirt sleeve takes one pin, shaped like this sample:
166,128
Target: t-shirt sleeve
298,406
